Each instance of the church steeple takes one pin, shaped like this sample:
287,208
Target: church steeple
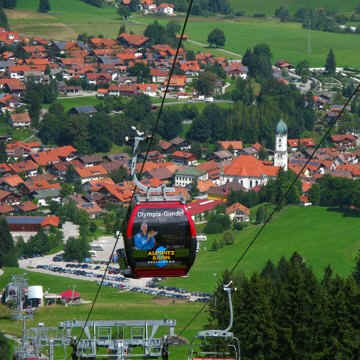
281,154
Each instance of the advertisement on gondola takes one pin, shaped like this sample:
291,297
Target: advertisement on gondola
160,232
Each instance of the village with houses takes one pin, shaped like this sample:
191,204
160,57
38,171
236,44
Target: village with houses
140,162
34,173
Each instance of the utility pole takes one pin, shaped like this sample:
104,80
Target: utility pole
309,38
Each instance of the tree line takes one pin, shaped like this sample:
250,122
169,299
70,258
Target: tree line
318,19
204,7
254,121
336,191
286,312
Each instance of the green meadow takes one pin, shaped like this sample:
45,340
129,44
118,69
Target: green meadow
68,18
286,40
268,7
322,236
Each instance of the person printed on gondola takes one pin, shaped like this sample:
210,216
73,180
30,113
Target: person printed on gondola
144,239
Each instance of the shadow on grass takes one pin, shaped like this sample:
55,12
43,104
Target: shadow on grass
345,211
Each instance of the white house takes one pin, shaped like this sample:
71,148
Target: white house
187,175
238,213
249,172
166,9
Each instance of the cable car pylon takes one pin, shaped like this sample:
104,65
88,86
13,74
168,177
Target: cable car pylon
217,344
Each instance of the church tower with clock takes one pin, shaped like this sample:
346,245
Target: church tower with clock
281,153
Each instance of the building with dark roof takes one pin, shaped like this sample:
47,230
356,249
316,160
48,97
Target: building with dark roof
86,110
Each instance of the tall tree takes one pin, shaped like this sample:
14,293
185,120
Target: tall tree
330,65
5,349
216,38
3,154
3,19
205,83
123,11
34,107
44,6
7,248
122,29
8,4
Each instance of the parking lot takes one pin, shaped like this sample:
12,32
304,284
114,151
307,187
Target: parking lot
113,278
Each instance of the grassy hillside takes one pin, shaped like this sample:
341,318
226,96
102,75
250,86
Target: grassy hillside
321,236
268,7
68,18
287,40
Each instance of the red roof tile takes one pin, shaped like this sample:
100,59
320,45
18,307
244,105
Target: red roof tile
200,206
91,171
12,180
249,166
51,221
236,145
6,208
237,206
27,206
134,39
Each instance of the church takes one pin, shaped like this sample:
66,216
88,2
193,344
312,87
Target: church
251,172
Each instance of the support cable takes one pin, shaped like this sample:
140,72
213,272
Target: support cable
150,143
284,196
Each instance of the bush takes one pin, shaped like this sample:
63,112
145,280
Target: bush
239,226
213,228
240,13
259,15
228,238
214,246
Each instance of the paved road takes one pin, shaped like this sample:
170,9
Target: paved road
186,102
198,43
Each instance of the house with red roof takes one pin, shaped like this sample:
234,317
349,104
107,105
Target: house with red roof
123,90
12,86
27,168
200,209
236,69
148,6
346,141
27,206
90,173
166,9
190,68
249,172
148,89
238,212
294,144
159,75
20,120
31,223
184,158
133,40
234,146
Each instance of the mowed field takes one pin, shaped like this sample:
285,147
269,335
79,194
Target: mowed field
287,40
111,305
268,7
320,235
69,18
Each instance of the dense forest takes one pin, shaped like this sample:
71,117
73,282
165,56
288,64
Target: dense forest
285,312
